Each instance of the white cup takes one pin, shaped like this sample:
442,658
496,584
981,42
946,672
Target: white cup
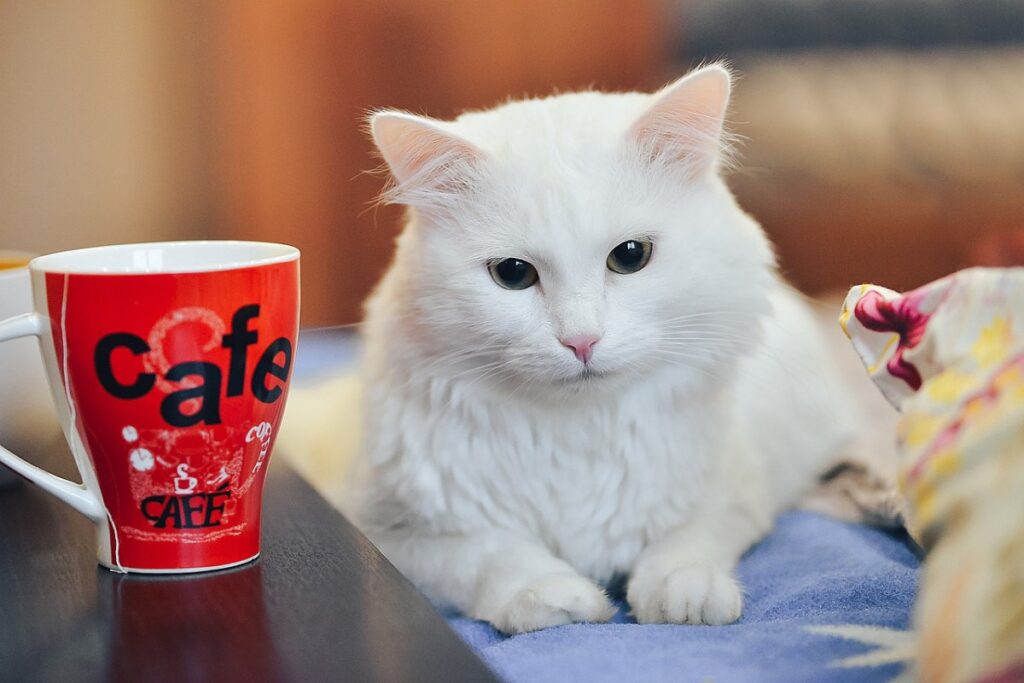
27,416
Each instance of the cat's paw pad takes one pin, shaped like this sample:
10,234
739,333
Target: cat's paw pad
690,594
552,600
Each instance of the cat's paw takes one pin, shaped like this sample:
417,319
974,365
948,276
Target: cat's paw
553,600
689,594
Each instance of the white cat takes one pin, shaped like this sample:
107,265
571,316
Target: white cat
581,363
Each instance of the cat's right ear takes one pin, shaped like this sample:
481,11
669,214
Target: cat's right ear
430,165
684,127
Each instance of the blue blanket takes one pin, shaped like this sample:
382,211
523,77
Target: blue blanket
825,601
858,583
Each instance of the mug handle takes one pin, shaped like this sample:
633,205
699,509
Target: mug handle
76,495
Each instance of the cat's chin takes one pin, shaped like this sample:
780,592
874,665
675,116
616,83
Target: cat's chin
587,375
606,381
559,385
594,381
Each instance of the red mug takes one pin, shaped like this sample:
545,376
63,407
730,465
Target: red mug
169,366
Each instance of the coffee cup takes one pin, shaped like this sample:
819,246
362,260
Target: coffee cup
168,364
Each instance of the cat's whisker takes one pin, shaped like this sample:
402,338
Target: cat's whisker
711,325
441,364
703,338
800,382
445,360
723,331
466,378
486,371
444,366
726,327
682,361
714,315
696,353
690,351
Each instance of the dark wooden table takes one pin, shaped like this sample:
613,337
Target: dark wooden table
321,604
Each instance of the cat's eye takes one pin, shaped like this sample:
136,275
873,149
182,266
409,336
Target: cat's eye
630,256
513,273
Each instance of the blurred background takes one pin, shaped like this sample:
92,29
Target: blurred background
884,140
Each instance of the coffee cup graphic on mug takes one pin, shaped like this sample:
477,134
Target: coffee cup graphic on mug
169,366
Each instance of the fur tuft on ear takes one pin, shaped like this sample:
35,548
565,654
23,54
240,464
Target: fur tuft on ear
430,167
685,127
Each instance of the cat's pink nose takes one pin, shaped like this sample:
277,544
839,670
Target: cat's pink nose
582,346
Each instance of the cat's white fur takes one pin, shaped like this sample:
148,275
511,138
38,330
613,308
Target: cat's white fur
497,471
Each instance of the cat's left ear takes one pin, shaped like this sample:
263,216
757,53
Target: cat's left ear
429,163
684,127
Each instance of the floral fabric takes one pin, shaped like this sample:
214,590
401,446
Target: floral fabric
950,357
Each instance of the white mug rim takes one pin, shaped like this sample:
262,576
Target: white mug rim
70,261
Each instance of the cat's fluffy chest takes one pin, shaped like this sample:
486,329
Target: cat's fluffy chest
595,483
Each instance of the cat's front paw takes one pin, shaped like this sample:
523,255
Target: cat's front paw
684,594
552,600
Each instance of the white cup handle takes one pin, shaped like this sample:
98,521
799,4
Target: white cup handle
75,495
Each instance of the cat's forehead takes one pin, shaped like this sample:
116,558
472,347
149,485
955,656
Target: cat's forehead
572,124
559,220
558,190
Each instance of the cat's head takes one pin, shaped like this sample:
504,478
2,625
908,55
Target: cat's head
577,242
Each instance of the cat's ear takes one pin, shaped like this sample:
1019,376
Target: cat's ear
684,126
429,164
